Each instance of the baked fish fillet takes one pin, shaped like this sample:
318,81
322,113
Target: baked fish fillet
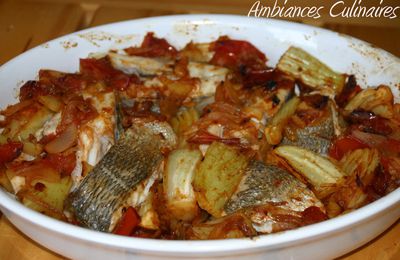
106,188
316,138
263,184
268,199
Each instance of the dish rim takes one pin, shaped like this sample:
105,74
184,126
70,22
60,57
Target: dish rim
304,233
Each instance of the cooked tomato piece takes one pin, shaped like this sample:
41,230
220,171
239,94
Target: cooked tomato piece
343,145
27,91
129,221
237,55
99,69
379,184
9,151
61,82
223,113
263,77
52,83
140,109
387,177
73,82
312,215
64,164
386,164
33,88
153,47
77,111
369,122
102,69
50,76
65,82
350,90
268,79
12,109
147,233
169,105
226,93
391,146
316,101
391,165
203,137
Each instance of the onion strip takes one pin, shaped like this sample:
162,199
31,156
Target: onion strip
65,140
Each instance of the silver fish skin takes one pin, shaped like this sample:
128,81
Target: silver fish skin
131,160
267,200
264,184
316,138
165,131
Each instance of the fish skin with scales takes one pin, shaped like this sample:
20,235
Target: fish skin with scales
266,183
316,138
131,160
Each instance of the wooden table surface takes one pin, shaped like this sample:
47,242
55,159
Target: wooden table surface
25,24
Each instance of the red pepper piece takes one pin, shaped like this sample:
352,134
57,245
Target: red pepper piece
207,138
64,164
350,90
343,145
313,215
153,47
129,221
237,55
101,69
9,151
391,146
369,122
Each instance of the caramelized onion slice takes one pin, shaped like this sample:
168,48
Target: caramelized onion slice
273,132
64,141
12,109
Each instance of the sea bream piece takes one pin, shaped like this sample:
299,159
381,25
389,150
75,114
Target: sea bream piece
316,138
132,160
266,184
96,136
267,199
209,76
317,134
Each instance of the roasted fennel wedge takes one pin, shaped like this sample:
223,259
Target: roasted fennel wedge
217,177
310,71
378,101
359,166
320,172
178,176
273,132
